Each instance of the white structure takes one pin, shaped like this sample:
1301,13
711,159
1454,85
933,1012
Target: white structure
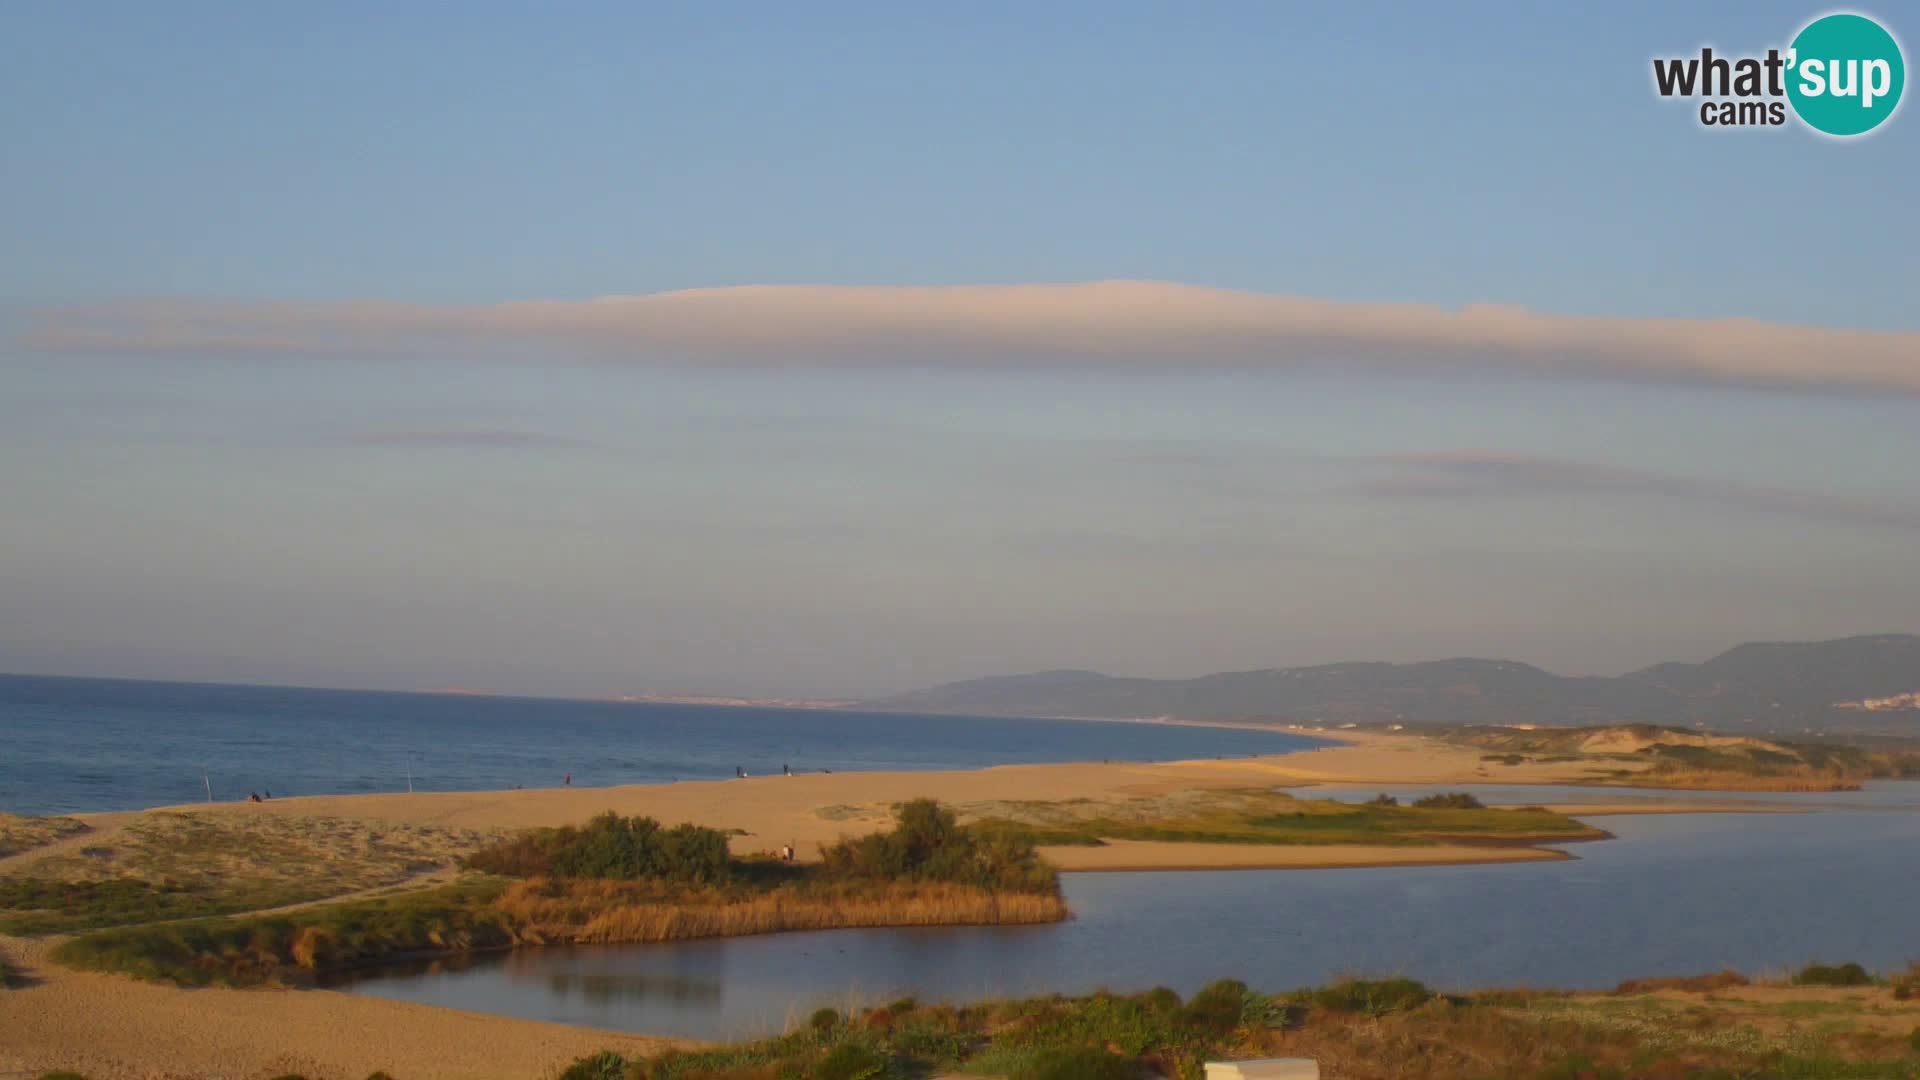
1264,1069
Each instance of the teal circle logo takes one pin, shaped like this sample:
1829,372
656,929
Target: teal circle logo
1845,74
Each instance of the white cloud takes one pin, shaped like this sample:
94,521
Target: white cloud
1113,324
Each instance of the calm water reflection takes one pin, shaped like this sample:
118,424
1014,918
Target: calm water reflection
1673,894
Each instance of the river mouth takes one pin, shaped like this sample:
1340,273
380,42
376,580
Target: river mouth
1677,894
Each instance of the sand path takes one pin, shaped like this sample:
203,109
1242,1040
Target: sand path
107,1027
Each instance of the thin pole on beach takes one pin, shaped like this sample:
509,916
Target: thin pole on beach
209,783
409,777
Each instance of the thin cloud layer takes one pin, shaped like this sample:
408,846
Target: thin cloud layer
482,438
1112,324
1456,474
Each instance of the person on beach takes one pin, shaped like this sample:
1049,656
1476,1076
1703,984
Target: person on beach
568,782
787,770
253,796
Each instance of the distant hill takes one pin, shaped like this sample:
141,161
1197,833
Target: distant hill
1771,687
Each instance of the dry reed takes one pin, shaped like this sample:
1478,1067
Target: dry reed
606,912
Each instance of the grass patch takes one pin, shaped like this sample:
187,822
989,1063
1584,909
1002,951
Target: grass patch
179,865
1359,1029
34,906
291,947
18,834
1256,816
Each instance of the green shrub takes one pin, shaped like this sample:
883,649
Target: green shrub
1452,800
1913,1040
605,1065
611,847
927,843
824,1020
1373,997
1161,999
850,1061
1832,975
1217,1009
1383,799
1578,1067
1074,1063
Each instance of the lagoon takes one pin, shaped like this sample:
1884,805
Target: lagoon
1674,894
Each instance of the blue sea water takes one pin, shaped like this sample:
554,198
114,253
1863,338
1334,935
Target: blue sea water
72,745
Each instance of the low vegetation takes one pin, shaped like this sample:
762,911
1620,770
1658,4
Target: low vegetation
1259,816
18,834
1642,754
286,1076
173,865
612,848
1359,1029
294,945
613,879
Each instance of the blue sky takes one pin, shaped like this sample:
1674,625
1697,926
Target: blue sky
349,507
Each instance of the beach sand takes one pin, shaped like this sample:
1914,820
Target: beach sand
812,809
111,1027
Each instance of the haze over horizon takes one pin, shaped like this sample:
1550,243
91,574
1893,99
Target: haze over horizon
524,354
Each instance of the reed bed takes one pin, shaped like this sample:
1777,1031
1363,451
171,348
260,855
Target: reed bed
608,912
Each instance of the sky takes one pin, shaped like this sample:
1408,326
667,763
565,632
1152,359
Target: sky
843,349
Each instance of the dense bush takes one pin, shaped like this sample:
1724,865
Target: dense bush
850,1061
927,843
1217,1009
1832,975
611,847
1075,1063
1373,997
1452,800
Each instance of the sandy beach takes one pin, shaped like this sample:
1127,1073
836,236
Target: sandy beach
115,1027
808,810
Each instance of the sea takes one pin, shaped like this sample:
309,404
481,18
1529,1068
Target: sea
73,745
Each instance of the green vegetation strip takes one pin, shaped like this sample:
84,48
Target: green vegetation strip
1359,1029
613,879
33,906
252,950
1263,817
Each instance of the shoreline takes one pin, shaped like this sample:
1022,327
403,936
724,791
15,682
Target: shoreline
112,1026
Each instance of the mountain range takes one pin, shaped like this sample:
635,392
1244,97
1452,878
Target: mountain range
1856,684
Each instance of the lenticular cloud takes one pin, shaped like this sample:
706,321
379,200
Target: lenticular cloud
1111,324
